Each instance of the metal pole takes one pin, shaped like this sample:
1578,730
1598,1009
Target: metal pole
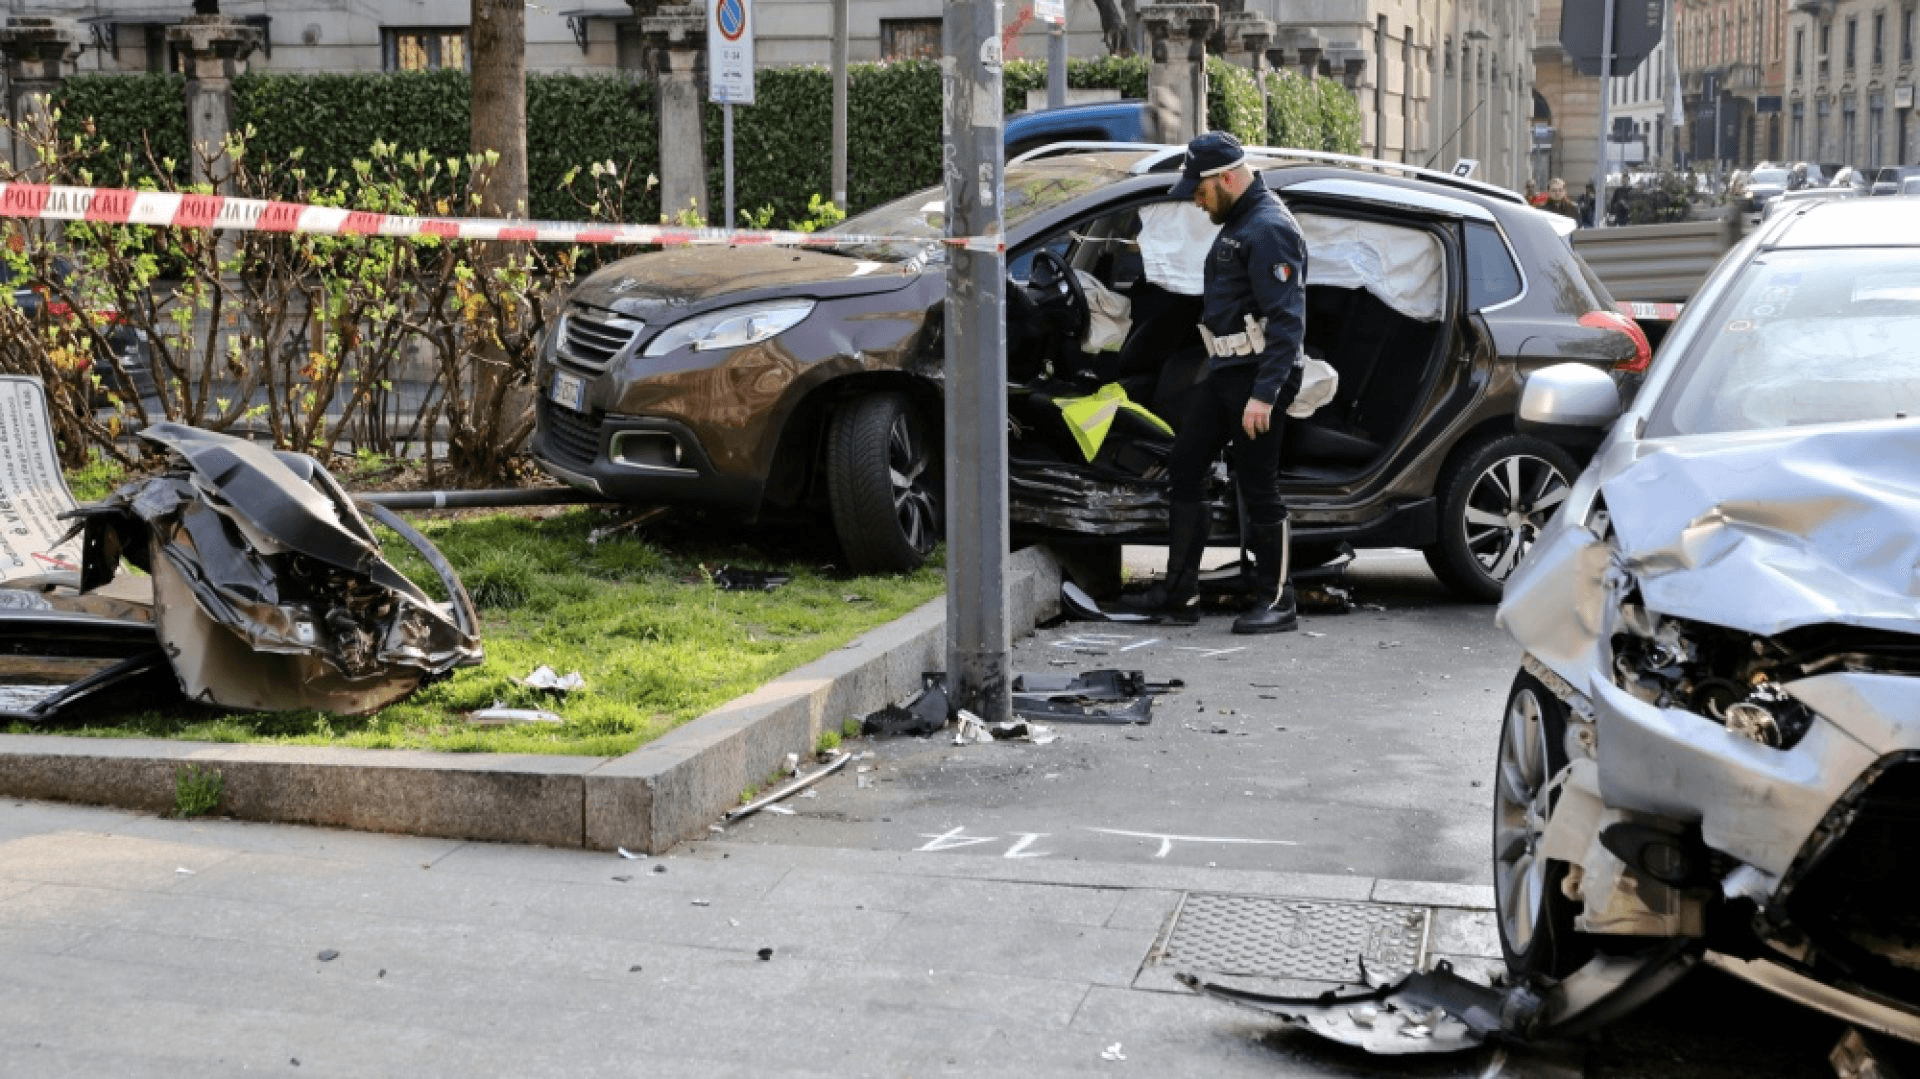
978,636
726,141
1057,65
840,103
1606,91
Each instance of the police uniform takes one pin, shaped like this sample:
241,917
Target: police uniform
1252,320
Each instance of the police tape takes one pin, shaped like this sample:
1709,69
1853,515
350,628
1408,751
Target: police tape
118,206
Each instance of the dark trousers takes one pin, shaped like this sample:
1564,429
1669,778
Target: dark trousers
1211,421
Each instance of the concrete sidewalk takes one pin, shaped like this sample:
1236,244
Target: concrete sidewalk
137,945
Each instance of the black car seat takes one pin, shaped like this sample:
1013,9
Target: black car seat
1352,331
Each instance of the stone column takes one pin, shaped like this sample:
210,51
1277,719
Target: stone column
36,49
1246,37
215,49
1177,78
677,48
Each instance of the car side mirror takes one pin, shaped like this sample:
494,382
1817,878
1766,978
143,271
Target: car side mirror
1569,403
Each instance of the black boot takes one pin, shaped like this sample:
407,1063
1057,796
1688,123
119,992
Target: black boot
1176,597
1273,610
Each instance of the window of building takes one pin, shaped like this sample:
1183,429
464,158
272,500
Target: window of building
1879,38
1799,54
1847,130
1906,35
1796,130
1876,128
910,39
423,48
1853,39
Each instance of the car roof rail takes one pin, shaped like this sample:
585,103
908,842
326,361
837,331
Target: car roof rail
1075,146
1433,175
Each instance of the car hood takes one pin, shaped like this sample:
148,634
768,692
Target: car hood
644,286
1767,531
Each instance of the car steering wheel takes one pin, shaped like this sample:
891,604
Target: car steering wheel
1052,283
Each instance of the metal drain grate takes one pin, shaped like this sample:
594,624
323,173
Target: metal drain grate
1303,939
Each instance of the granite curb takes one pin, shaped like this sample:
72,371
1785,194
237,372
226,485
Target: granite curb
665,792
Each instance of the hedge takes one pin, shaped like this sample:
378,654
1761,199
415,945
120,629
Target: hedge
1311,114
780,144
133,113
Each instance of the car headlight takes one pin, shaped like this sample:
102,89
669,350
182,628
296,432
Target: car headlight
732,327
1738,679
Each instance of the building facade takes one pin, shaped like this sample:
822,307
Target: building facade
1849,83
1436,80
1733,71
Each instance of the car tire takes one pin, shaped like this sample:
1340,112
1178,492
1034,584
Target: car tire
1494,500
883,484
1533,915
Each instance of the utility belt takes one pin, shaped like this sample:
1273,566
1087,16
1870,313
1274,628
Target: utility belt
1236,344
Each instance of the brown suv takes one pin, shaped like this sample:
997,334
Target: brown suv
768,381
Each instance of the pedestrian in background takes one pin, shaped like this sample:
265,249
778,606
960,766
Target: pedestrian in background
1253,318
1557,200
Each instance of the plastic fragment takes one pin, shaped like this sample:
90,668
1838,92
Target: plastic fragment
543,677
328,956
1112,1052
765,954
703,902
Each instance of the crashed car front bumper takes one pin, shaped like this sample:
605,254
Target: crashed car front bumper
1753,802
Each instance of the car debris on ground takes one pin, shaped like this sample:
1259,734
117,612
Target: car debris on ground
543,677
499,715
1101,696
259,583
734,579
789,788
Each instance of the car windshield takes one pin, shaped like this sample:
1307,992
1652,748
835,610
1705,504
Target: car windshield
1768,176
919,220
1804,337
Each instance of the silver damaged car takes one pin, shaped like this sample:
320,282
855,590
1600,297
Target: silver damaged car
1712,751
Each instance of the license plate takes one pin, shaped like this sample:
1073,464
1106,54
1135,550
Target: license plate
569,391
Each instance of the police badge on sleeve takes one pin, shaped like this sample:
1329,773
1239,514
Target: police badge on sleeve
1283,273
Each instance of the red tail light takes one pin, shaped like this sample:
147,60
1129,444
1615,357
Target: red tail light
1614,320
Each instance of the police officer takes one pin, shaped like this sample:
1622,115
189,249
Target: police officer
1252,320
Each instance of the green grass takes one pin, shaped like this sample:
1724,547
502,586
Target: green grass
656,642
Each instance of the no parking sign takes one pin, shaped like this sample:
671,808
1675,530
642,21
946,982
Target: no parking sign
730,52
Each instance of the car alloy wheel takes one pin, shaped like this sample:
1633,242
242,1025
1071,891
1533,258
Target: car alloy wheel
1508,506
1533,913
1495,500
908,464
883,484
1520,820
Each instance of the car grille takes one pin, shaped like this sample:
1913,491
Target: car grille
593,341
1854,899
572,439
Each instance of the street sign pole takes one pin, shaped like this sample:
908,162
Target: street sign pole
1606,92
729,77
839,178
978,634
1054,14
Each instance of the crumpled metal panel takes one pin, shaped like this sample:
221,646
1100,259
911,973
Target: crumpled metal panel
1767,532
1754,802
270,591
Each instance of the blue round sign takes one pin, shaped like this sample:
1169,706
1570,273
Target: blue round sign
732,17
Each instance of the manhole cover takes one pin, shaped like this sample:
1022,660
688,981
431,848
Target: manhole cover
1304,939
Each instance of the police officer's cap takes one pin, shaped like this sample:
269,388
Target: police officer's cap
1208,155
